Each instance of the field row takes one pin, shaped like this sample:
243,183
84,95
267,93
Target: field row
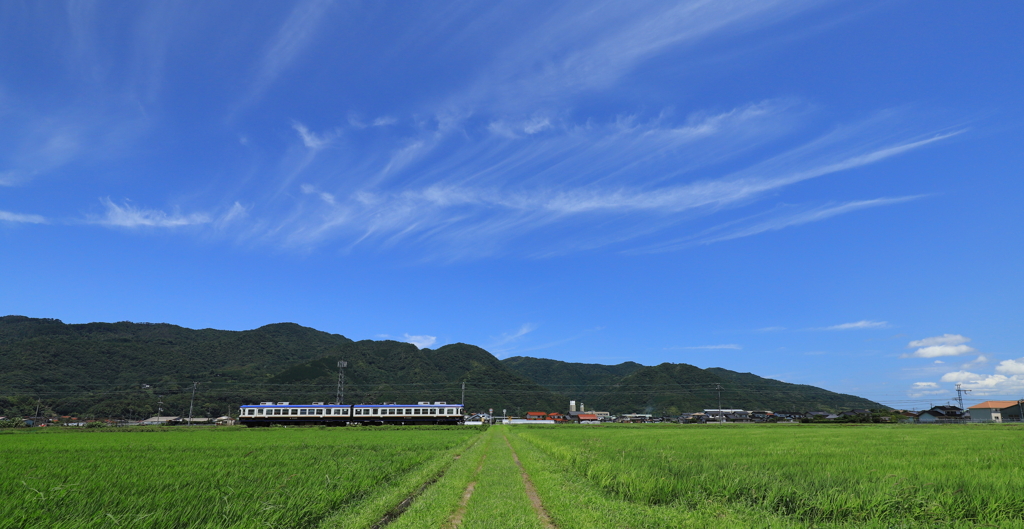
640,476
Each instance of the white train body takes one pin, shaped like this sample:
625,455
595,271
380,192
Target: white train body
321,414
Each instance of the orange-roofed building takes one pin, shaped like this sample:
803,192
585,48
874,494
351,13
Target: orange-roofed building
536,415
996,411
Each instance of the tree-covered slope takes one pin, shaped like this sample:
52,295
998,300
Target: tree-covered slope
673,388
128,369
388,371
104,369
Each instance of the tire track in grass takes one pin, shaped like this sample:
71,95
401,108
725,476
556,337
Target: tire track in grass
397,511
456,520
531,491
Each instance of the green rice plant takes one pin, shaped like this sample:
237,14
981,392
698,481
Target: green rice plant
499,499
182,477
441,505
807,474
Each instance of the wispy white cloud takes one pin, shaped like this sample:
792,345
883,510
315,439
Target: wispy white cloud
939,346
923,389
721,346
309,189
310,139
945,339
863,324
507,338
287,44
941,350
27,218
469,205
421,341
129,216
587,49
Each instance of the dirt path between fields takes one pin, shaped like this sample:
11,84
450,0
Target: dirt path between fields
531,491
456,519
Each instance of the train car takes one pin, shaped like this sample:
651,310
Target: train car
321,414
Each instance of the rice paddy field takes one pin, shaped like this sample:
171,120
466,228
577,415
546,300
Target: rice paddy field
634,476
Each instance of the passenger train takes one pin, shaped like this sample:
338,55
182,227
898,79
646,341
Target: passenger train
320,414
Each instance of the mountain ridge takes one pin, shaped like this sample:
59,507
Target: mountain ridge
132,370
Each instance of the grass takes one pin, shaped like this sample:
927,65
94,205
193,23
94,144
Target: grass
786,475
628,476
180,477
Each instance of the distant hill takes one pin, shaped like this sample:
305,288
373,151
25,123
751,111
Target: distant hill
125,369
674,388
128,369
100,369
397,371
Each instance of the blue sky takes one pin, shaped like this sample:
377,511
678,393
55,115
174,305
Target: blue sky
820,192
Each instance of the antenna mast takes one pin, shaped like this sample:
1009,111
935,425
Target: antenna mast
341,381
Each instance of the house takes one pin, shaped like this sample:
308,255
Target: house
557,417
740,416
161,421
855,413
536,416
587,418
996,411
941,414
819,415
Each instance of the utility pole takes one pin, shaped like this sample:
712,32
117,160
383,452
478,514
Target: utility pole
721,418
341,381
38,402
159,406
960,396
463,403
194,385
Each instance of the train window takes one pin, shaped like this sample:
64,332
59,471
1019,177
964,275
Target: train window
416,411
259,411
408,411
358,411
344,411
302,412
295,411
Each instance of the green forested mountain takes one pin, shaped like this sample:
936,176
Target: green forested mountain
388,371
125,369
673,388
128,369
100,369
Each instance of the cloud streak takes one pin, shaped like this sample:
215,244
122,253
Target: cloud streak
721,346
23,218
129,216
863,324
